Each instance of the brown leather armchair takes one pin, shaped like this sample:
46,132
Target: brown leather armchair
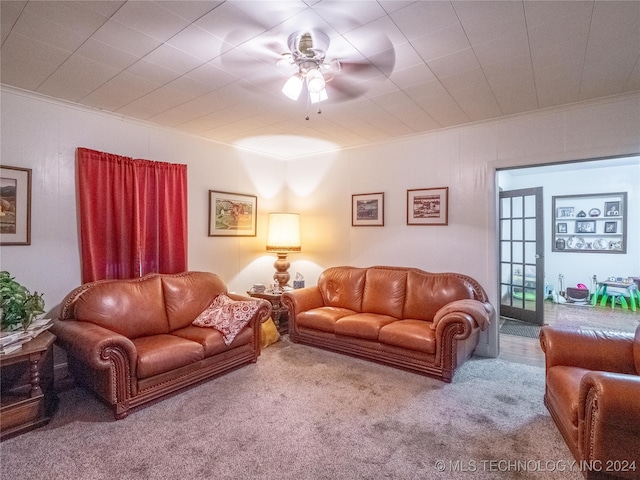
592,392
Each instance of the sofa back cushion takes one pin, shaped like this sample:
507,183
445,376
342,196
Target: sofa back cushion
187,295
429,292
133,308
384,291
343,287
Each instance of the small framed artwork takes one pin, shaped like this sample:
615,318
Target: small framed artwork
367,210
611,209
610,227
15,206
565,212
585,226
232,214
562,227
428,206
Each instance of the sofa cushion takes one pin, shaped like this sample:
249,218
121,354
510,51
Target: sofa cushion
211,339
162,353
414,334
188,294
323,318
363,325
343,287
133,308
227,316
427,293
384,292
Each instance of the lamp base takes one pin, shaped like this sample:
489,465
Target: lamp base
281,265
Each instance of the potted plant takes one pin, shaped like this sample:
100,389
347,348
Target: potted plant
19,306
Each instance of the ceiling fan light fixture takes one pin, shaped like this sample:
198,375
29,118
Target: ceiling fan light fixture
318,97
293,87
315,81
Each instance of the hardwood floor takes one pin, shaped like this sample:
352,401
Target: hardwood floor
527,350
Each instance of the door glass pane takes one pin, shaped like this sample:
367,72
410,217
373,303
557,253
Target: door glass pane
517,278
517,252
517,230
505,229
505,208
529,252
505,295
505,273
529,298
530,229
517,207
505,251
530,206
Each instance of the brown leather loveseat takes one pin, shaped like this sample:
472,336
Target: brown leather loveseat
133,341
427,323
592,392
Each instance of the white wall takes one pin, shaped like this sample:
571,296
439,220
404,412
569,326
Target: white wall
465,159
43,135
585,178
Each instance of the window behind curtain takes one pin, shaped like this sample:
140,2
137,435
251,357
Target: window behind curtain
132,216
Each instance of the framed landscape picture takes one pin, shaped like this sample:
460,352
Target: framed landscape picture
428,206
232,214
367,210
15,206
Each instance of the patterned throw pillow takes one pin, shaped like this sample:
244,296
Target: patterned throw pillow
227,316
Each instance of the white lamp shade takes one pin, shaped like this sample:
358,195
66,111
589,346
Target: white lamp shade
315,81
318,97
283,234
293,87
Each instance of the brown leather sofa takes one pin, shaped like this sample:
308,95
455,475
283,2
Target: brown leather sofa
423,322
132,341
593,395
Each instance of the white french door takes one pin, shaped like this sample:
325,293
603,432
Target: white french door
522,255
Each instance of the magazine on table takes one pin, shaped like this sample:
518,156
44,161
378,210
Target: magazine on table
11,341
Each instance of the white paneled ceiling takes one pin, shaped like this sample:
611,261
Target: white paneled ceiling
209,67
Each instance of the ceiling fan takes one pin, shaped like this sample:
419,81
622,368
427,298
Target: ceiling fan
316,67
308,67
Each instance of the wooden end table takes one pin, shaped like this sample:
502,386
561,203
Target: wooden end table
28,399
280,313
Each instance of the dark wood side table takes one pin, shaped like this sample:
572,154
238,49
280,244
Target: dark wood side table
280,313
28,399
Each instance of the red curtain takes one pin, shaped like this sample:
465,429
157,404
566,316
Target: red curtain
132,216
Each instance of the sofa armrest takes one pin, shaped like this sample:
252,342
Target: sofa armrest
302,299
589,349
609,414
94,345
477,313
264,311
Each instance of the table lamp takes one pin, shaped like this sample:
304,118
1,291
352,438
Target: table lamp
283,237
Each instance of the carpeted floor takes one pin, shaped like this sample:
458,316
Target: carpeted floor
303,413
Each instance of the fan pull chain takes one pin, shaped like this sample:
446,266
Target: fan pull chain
319,112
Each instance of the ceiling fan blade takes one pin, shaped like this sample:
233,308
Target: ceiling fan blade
341,90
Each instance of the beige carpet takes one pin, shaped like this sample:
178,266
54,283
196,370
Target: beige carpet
303,413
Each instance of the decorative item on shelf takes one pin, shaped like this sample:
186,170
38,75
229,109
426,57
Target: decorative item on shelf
594,212
560,243
283,237
20,307
581,214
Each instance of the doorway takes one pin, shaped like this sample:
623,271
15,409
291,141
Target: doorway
521,254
